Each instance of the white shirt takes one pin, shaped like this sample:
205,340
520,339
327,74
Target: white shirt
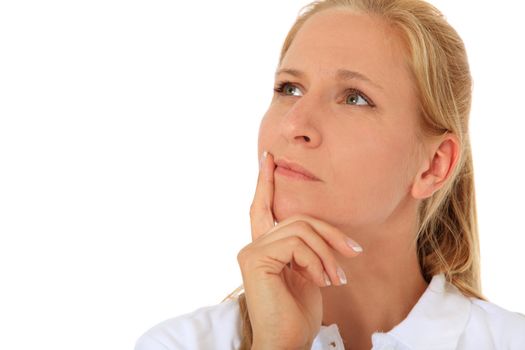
442,319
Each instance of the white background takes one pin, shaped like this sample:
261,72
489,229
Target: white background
128,157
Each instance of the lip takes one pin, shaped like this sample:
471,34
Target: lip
286,167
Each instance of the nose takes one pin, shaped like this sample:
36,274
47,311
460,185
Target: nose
300,125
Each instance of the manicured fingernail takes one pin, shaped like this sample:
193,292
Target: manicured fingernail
265,153
326,279
352,244
341,274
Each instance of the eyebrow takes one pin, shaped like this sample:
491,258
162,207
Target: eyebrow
341,74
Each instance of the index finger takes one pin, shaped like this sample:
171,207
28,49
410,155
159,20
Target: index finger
332,234
261,214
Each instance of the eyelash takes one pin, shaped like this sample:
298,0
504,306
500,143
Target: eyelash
280,90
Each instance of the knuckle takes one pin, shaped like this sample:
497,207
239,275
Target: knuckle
294,241
241,255
247,258
252,209
257,207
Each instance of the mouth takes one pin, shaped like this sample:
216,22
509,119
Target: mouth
294,170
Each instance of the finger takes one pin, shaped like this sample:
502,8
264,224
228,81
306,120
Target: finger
316,242
324,282
261,214
331,234
315,233
295,251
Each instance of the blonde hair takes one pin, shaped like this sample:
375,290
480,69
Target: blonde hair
447,240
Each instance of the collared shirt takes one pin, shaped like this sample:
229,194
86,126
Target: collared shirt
442,319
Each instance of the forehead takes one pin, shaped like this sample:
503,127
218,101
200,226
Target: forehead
337,38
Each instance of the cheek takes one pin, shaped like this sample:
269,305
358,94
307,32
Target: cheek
372,179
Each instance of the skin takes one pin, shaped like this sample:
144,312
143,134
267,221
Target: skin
374,170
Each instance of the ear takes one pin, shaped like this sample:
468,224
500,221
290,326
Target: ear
434,171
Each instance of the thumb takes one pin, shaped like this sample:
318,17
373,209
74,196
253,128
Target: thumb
261,213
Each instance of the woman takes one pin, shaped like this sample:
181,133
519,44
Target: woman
370,110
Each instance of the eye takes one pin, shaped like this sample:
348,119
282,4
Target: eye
356,98
353,96
280,89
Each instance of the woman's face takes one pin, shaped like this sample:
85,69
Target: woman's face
361,145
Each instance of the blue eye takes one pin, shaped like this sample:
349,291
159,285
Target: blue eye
357,97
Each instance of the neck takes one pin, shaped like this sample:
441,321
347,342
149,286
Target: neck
384,283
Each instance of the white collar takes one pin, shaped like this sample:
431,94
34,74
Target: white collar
435,323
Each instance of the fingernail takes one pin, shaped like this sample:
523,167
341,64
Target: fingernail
265,153
341,274
352,244
327,279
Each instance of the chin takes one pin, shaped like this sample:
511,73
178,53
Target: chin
283,209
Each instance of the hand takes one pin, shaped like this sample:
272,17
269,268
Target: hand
284,268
